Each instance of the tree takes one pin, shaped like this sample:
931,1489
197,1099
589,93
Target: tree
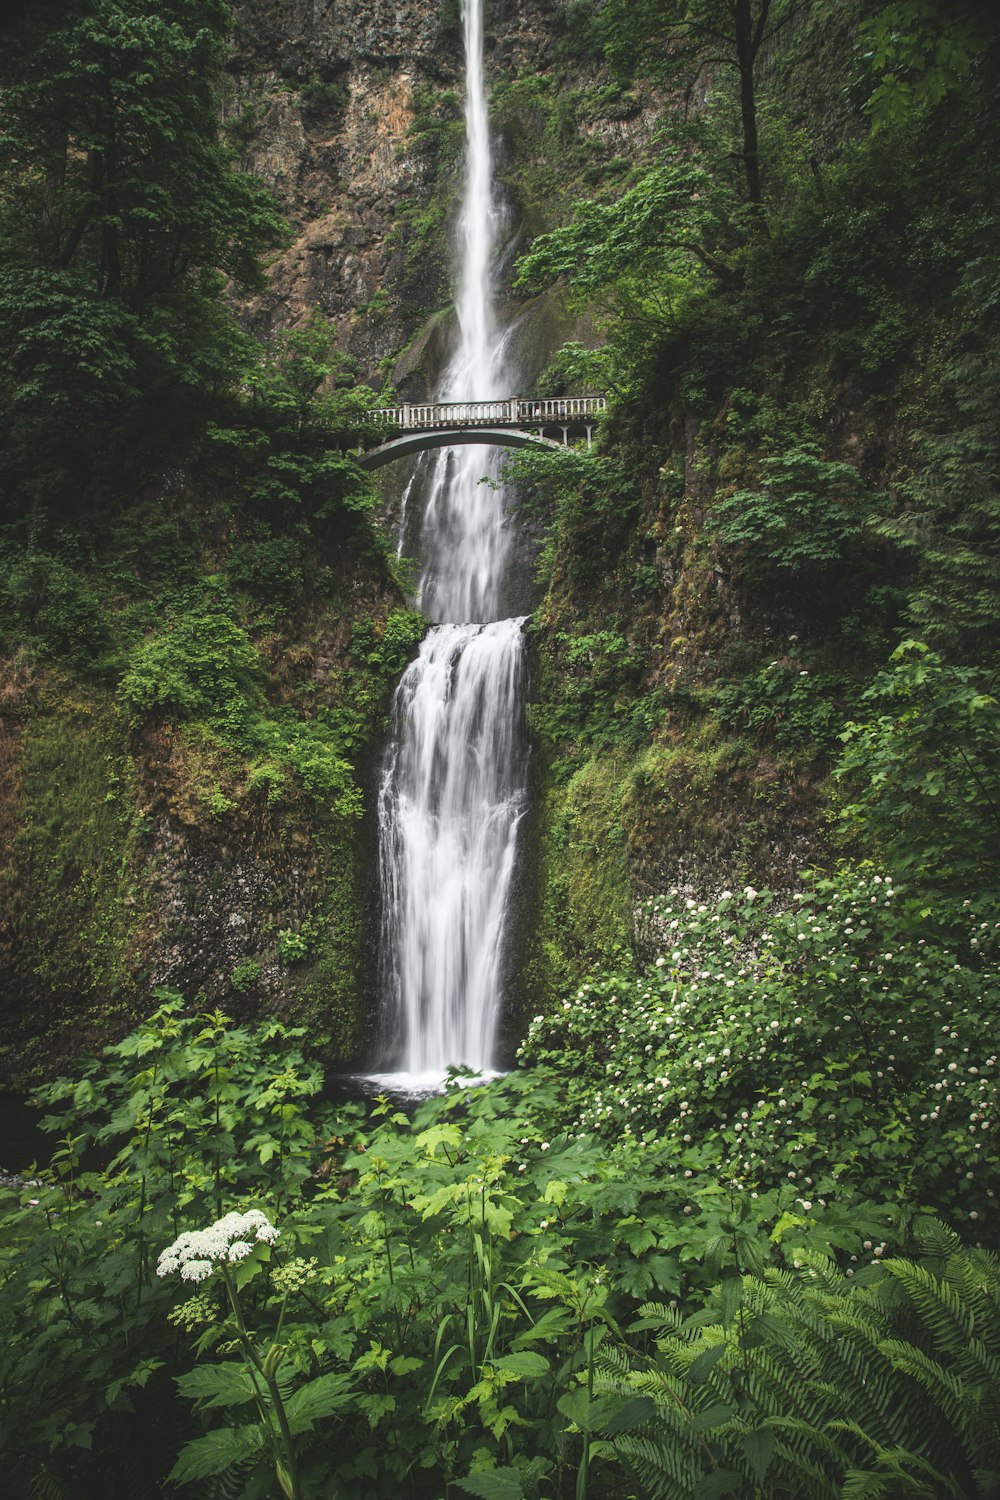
121,221
730,34
113,165
921,51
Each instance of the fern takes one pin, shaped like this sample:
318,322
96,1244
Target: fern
829,1389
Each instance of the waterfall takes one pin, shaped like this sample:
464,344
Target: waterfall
452,792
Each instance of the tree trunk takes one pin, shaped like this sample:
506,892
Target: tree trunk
747,47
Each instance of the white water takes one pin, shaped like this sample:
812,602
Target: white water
452,792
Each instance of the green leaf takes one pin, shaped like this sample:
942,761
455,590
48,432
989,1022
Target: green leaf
445,1134
758,1447
551,1325
523,1366
631,1414
317,1399
211,1386
602,1414
712,1416
215,1452
494,1484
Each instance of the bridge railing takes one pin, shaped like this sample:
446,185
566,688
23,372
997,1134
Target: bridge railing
514,411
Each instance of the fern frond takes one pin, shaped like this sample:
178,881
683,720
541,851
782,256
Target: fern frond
45,1486
668,1470
804,1471
942,1310
937,1239
949,1391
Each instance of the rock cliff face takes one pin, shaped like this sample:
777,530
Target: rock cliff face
352,113
138,856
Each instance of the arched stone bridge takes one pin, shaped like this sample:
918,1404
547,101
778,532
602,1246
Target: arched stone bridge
515,422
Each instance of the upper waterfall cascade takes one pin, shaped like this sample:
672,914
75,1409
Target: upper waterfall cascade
452,793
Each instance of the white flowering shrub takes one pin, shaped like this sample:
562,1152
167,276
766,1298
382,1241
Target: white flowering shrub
850,1036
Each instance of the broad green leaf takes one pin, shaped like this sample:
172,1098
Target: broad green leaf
226,1384
494,1484
318,1398
215,1452
524,1366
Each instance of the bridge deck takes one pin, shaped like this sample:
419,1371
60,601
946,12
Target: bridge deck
513,411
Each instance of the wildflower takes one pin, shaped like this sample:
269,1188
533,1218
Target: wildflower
191,1270
196,1252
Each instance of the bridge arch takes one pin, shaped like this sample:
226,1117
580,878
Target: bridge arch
419,442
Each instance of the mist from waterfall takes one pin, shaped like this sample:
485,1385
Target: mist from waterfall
452,792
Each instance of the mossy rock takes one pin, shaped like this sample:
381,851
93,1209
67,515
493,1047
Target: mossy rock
703,810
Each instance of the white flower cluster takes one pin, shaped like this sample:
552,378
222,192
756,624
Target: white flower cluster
196,1252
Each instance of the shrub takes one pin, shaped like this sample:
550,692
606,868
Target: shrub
203,666
796,708
51,607
922,774
808,514
847,1039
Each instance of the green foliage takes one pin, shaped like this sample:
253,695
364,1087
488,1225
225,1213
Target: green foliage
920,52
49,607
923,772
787,703
293,946
63,345
121,220
582,497
594,702
288,439
203,666
111,94
204,671
816,1385
322,100
451,1300
574,365
661,221
245,975
823,1044
807,517
672,37
271,566
949,528
188,1112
